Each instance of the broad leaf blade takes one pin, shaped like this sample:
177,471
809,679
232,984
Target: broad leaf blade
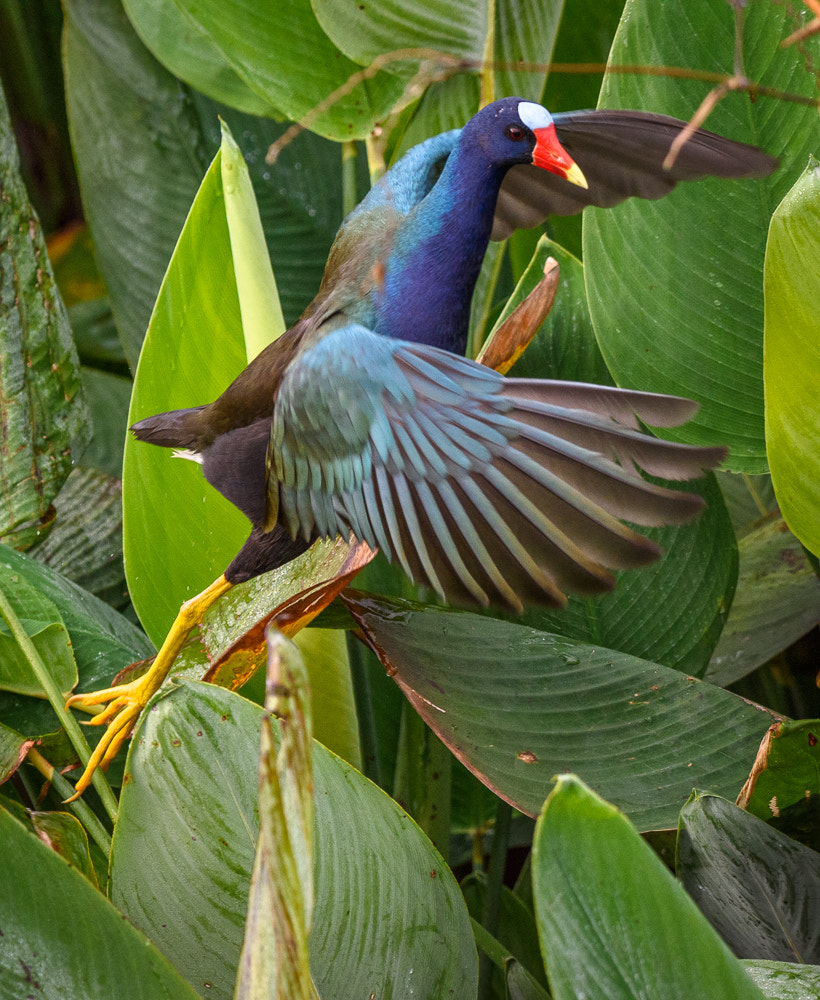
42,410
517,705
63,935
777,600
175,547
605,903
791,366
267,47
675,285
388,914
757,887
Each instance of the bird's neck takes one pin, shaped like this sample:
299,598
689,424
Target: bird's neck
438,254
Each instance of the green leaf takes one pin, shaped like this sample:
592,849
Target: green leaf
196,57
43,412
45,627
131,126
388,914
85,544
335,722
785,980
158,139
268,48
62,940
179,533
365,31
262,319
564,347
758,888
13,750
66,836
520,984
108,397
675,286
605,902
791,367
103,642
787,770
777,600
517,705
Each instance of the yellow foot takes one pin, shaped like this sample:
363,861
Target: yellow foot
126,701
125,704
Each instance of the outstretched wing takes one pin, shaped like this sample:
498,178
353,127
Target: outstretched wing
621,154
487,489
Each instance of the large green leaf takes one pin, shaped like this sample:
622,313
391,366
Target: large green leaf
42,410
759,888
564,347
777,601
62,940
143,142
365,31
614,923
388,918
193,55
517,705
139,156
671,612
675,285
791,365
268,47
179,533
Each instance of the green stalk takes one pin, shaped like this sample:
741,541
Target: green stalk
349,199
495,886
423,778
57,702
363,699
375,159
487,95
84,813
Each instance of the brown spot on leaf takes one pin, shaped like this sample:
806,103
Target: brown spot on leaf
528,757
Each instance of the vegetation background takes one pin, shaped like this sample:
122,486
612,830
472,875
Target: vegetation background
124,210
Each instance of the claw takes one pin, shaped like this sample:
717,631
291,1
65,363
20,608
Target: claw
128,700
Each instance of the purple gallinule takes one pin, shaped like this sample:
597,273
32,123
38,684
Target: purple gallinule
364,419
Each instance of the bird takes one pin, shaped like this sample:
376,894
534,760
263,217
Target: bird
365,419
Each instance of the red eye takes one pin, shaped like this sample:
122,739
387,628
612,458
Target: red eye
514,132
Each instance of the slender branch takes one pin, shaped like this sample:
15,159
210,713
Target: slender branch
435,65
55,697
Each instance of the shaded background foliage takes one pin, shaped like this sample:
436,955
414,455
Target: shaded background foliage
666,295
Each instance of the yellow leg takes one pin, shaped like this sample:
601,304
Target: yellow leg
126,701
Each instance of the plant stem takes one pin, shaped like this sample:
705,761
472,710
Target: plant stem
57,702
495,886
84,813
362,697
349,199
